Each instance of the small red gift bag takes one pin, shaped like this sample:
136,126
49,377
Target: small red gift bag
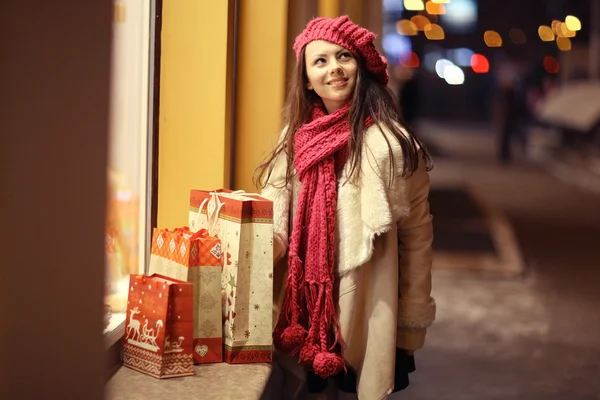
159,329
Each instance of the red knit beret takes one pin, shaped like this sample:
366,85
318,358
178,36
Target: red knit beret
343,32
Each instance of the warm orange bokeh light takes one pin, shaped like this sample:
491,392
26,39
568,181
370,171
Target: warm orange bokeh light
563,43
546,33
406,27
434,32
556,27
480,64
420,22
551,65
492,39
564,31
410,61
435,8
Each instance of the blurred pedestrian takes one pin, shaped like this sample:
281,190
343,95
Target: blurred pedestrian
513,110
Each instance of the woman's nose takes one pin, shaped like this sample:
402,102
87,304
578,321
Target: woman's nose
335,68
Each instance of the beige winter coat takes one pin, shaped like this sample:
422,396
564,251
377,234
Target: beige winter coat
384,235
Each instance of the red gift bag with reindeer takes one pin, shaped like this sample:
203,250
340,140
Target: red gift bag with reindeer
158,333
244,223
195,258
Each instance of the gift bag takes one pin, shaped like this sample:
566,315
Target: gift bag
158,330
244,223
195,258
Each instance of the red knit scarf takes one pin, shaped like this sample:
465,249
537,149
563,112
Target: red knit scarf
308,324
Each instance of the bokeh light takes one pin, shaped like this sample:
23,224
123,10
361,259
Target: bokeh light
556,27
461,16
551,65
461,56
492,39
563,43
420,22
392,6
406,27
565,31
434,32
435,8
410,61
546,33
573,23
454,75
414,5
395,45
441,65
480,64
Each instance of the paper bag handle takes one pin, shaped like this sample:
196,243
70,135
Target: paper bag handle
211,220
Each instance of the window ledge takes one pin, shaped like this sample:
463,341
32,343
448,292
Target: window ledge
115,330
211,382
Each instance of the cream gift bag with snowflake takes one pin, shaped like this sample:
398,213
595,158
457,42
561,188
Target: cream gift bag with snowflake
244,223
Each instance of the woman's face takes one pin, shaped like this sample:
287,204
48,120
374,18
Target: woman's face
331,71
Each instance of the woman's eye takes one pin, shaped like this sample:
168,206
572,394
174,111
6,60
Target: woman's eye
320,60
345,55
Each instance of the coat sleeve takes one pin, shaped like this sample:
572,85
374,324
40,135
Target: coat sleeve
416,307
279,192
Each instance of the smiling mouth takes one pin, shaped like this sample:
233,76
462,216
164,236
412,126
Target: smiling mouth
338,82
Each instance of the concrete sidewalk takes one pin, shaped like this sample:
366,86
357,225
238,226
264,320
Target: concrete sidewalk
530,336
470,234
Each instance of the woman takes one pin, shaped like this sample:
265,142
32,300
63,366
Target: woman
349,187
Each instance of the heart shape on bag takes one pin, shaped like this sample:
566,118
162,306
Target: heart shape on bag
202,350
228,259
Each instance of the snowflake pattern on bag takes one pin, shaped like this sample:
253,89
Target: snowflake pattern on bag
208,329
208,276
207,301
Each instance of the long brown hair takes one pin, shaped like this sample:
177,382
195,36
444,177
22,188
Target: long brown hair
370,99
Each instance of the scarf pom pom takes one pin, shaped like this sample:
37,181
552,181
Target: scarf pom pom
308,353
327,364
292,337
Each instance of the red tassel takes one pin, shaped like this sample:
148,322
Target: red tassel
292,338
328,364
308,353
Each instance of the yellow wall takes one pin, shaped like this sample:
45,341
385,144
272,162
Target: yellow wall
193,138
329,8
261,85
354,9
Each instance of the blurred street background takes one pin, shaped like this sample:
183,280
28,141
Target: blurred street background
506,95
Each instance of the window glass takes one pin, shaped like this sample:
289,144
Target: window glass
127,173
